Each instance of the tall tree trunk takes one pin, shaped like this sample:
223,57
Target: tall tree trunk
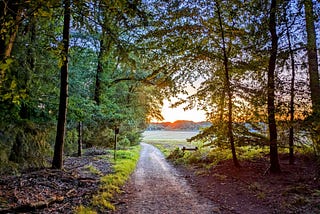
274,161
98,86
2,38
228,90
293,73
10,10
57,162
104,48
312,58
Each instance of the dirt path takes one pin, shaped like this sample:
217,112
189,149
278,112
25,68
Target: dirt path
156,187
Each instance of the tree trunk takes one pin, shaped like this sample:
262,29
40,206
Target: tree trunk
229,91
312,58
57,162
80,139
98,89
274,161
104,48
2,38
293,73
10,10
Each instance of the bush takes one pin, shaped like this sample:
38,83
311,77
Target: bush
125,142
134,137
25,145
176,154
100,136
71,144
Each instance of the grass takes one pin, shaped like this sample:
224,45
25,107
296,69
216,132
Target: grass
110,184
93,169
180,136
168,141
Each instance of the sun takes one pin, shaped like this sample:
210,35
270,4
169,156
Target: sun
174,114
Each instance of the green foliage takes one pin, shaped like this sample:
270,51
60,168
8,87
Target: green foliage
146,52
111,183
252,152
93,170
134,137
125,142
26,146
71,144
208,156
100,136
175,154
84,210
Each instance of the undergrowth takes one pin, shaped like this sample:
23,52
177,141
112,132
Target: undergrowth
110,184
208,157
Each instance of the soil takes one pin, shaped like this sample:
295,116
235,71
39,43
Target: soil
54,191
252,189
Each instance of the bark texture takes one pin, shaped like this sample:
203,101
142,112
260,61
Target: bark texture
57,162
312,57
274,160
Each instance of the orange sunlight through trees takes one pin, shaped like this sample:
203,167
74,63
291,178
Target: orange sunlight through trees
174,114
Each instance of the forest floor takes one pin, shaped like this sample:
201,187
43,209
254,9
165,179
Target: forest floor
221,189
54,191
252,189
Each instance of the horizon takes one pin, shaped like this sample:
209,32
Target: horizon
182,120
178,113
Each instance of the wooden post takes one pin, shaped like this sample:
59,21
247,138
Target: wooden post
116,132
80,139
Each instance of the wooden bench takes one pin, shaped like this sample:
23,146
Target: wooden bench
189,148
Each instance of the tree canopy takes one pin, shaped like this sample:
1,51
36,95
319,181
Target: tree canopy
256,62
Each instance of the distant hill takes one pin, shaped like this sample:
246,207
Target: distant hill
179,125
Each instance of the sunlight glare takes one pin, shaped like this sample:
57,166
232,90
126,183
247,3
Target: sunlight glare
174,114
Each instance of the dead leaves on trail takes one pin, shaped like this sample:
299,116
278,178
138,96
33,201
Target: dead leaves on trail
53,191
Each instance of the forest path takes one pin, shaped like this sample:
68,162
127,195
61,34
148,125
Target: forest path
156,187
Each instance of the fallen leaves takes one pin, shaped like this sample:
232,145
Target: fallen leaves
48,190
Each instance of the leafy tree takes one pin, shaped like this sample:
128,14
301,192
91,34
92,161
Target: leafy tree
126,56
228,88
10,16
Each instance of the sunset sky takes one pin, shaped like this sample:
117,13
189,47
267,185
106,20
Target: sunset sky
173,114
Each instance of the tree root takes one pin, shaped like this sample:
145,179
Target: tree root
33,206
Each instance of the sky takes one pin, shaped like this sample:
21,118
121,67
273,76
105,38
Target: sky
173,114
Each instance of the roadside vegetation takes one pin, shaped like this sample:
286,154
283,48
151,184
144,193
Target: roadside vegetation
111,184
296,187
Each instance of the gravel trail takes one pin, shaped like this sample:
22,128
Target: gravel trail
156,187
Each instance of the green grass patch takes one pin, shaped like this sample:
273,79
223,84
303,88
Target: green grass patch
84,210
251,152
110,184
93,169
